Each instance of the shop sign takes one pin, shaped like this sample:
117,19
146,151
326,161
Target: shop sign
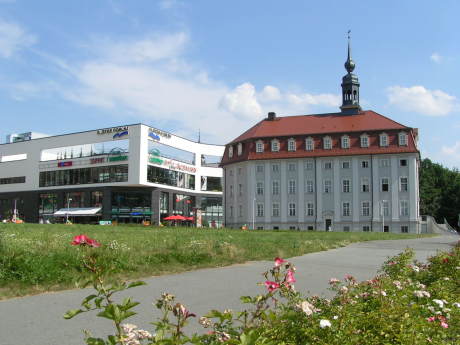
155,134
155,160
119,131
118,158
64,164
97,160
178,166
105,222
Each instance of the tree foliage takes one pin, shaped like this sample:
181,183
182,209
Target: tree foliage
439,192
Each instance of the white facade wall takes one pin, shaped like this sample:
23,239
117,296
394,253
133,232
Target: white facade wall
328,207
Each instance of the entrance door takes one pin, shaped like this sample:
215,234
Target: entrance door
386,228
328,224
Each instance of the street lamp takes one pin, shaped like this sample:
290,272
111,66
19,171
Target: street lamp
68,209
253,213
382,211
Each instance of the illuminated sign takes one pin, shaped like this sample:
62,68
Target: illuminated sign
113,130
157,133
97,160
64,164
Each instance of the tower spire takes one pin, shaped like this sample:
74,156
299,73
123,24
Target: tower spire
350,86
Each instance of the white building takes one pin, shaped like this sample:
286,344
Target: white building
127,174
349,171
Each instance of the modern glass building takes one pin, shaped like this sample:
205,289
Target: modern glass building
127,174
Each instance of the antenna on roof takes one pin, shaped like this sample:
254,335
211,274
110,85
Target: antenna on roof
199,135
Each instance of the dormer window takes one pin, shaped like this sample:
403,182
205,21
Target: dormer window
259,146
383,139
327,143
275,145
240,149
230,151
309,144
291,145
402,139
364,140
345,142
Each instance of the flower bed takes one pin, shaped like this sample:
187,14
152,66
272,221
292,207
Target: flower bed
407,303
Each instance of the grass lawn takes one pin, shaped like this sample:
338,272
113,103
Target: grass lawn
36,258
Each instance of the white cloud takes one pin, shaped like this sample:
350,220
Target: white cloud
422,100
168,4
242,102
451,155
435,57
270,93
307,99
13,38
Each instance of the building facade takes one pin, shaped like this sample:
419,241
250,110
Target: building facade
127,174
353,170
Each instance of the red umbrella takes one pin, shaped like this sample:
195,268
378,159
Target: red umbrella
175,217
189,218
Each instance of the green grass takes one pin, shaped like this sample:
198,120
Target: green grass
37,258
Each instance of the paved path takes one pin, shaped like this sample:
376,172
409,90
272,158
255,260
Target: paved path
37,320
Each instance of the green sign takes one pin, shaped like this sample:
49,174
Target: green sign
118,158
155,160
105,222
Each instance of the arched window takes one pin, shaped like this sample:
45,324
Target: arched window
259,146
275,145
354,95
364,140
291,145
240,149
345,142
327,143
402,139
230,151
309,144
383,140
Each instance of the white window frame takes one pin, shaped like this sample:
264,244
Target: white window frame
403,159
328,189
346,209
309,165
259,188
240,189
230,151
292,188
328,165
292,212
277,189
310,209
327,143
259,146
231,190
292,145
363,180
366,228
401,184
231,211
403,139
368,208
260,210
346,186
364,140
309,186
388,184
275,168
384,162
345,141
385,208
346,163
277,208
275,145
405,229
240,149
384,140
259,168
240,211
292,167
230,172
309,144
366,163
404,208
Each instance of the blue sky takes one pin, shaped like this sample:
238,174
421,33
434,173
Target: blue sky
220,66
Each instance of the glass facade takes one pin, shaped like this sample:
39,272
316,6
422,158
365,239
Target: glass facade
11,180
183,205
47,204
211,184
131,207
104,174
170,177
212,212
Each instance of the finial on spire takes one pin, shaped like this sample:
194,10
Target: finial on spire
349,64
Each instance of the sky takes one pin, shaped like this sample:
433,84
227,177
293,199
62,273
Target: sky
218,67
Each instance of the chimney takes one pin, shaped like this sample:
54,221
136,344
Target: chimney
271,116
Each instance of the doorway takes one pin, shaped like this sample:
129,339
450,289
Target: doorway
328,224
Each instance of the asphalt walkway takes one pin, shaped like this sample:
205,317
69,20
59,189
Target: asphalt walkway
37,320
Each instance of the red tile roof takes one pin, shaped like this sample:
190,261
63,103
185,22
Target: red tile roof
317,126
367,120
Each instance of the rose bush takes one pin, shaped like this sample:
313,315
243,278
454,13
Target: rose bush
407,303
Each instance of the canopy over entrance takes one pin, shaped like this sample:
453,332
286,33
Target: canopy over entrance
75,212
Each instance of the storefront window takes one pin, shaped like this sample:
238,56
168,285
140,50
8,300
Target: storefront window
131,207
183,204
47,203
96,198
74,200
211,212
170,177
211,184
